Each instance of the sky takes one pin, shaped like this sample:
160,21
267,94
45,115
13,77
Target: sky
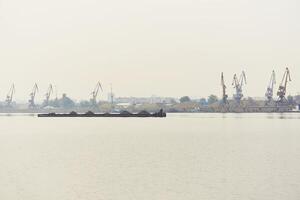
144,48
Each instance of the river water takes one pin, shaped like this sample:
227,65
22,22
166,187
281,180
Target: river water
181,157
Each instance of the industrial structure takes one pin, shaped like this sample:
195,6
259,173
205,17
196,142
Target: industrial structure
238,84
111,96
226,104
283,86
10,95
32,96
224,95
48,95
282,104
95,93
270,88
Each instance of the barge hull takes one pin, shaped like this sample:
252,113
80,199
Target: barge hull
159,114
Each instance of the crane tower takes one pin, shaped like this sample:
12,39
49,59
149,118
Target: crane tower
270,88
95,93
48,95
283,86
32,96
10,95
238,84
224,95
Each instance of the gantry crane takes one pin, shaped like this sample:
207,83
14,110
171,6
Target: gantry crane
238,84
95,94
32,96
270,88
10,95
48,95
283,85
224,95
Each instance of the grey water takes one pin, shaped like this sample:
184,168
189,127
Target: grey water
181,157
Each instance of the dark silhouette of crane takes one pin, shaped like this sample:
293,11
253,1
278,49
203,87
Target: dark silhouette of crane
95,93
238,84
32,96
270,88
224,95
10,95
48,96
111,96
283,86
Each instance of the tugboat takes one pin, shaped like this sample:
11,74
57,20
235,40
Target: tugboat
160,114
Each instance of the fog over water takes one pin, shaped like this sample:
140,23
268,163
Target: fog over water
184,156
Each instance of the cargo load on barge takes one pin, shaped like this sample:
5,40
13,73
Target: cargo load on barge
159,114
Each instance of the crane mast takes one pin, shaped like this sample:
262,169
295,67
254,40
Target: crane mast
283,86
224,95
10,95
48,95
111,95
238,84
32,96
95,94
270,88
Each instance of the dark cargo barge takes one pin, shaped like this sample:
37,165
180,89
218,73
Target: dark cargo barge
161,113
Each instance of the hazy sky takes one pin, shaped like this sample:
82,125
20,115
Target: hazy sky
162,47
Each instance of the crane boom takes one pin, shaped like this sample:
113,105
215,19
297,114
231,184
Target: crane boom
283,86
238,84
48,95
32,96
111,95
10,95
224,95
243,79
235,81
270,88
95,93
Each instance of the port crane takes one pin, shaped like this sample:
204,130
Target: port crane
111,95
48,95
283,85
95,94
32,96
270,88
224,95
10,95
238,84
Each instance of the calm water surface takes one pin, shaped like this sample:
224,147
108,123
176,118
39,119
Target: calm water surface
182,157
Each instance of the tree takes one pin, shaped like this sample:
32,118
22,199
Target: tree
173,101
184,99
66,102
291,100
54,103
251,101
85,103
212,99
203,102
297,99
